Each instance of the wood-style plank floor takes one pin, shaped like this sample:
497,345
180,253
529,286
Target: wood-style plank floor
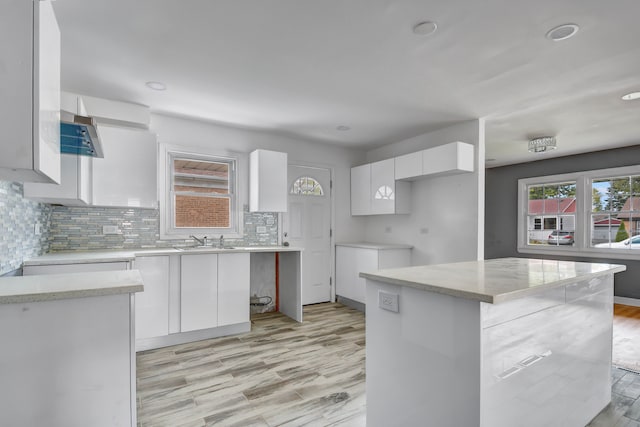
283,373
626,336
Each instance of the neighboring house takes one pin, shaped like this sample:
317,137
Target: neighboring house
630,215
546,215
605,230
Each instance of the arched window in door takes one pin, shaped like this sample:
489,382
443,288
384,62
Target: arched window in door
306,186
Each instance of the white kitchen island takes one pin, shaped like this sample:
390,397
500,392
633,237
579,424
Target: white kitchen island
68,349
496,343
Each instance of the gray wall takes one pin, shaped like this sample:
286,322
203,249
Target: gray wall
18,217
501,207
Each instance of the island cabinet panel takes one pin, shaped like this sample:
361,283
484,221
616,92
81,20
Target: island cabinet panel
68,362
152,305
530,358
198,292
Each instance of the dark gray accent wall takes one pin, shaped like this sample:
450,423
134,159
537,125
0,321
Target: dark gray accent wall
501,207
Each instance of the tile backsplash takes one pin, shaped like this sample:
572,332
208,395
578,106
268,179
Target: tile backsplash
81,228
19,219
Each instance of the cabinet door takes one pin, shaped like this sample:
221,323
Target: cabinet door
126,176
408,166
268,181
383,187
233,288
30,88
152,305
361,190
349,263
75,183
198,292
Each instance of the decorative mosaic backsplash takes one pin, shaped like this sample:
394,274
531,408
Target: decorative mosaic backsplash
81,228
18,219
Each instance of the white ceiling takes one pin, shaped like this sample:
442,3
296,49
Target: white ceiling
304,67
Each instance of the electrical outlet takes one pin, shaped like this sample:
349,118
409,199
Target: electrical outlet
36,229
388,301
109,229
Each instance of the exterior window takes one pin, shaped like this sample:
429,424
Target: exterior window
551,207
590,213
306,186
201,196
615,211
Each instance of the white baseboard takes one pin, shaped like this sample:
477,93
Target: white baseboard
627,301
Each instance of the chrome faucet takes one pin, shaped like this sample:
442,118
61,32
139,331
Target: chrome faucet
203,241
221,244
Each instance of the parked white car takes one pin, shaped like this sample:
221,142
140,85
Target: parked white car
630,243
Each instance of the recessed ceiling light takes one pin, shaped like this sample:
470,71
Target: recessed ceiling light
425,28
631,96
156,85
562,32
343,128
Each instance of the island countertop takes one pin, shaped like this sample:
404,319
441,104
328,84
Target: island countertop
48,287
495,280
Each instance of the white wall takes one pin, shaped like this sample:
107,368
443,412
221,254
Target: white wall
193,133
446,223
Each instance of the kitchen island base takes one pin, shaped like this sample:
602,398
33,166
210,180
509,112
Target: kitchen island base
443,360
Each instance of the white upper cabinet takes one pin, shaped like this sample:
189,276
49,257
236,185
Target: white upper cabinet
30,88
374,190
127,175
75,188
409,165
447,159
268,181
361,190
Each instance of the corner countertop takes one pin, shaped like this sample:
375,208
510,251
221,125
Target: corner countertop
378,246
49,287
83,257
495,280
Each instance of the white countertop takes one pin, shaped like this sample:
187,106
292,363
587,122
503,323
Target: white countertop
48,287
494,280
378,246
81,257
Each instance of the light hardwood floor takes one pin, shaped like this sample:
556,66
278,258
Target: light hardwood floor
626,336
283,373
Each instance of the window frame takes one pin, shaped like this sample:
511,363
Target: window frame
582,235
168,230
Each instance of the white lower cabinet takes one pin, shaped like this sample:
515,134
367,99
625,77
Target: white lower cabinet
234,283
198,292
152,305
351,260
30,270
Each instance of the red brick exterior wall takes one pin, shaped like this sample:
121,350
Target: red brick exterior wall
193,211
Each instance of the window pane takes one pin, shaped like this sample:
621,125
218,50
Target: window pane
202,212
306,186
198,176
619,194
202,192
551,213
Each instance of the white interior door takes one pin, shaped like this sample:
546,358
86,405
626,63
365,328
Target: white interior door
308,225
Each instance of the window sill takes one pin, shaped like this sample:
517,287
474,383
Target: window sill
630,254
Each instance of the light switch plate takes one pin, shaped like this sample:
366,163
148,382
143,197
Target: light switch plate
388,301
